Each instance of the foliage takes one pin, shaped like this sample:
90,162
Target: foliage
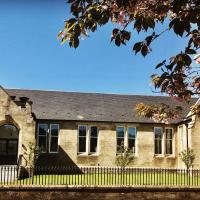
31,154
177,77
164,113
187,156
143,15
124,157
159,113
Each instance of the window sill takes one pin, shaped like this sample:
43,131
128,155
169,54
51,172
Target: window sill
93,154
170,156
164,156
53,152
159,156
134,154
50,152
87,155
43,152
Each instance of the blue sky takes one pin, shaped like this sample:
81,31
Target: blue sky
31,57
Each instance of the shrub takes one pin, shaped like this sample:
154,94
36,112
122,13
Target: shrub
187,156
124,156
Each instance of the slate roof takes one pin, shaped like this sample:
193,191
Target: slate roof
55,105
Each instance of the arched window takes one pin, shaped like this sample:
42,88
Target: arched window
8,131
8,141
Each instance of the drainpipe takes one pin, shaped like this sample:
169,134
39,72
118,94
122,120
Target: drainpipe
186,123
187,146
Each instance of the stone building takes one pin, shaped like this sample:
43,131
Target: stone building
85,129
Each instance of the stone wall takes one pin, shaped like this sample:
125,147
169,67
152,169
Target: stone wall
144,157
21,117
106,193
195,142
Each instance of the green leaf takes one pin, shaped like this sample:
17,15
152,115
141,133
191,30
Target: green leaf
150,22
137,47
144,50
64,39
150,38
190,51
104,19
126,35
77,29
75,42
94,27
171,24
170,66
70,23
115,32
118,40
160,64
60,34
180,26
138,24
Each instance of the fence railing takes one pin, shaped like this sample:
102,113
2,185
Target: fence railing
99,176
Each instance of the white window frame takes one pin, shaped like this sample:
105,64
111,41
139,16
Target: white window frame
38,135
50,136
86,149
162,141
88,137
89,140
127,137
173,143
120,137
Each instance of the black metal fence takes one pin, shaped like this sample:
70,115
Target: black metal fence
98,176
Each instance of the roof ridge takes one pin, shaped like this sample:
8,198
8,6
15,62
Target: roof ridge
98,93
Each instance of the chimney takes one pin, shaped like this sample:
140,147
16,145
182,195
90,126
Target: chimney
23,100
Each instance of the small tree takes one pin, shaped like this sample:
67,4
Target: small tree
123,159
31,154
125,156
187,156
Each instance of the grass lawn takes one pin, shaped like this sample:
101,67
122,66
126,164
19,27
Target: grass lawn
161,179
